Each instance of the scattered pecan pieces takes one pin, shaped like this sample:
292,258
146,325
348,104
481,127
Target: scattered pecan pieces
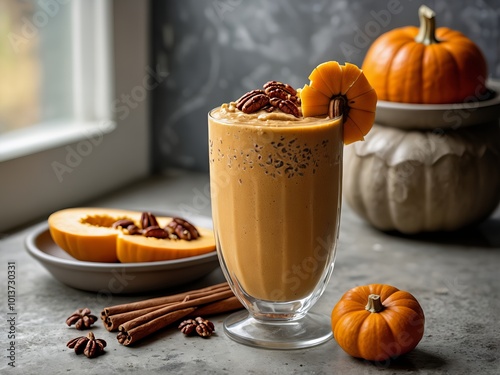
81,318
134,229
156,232
202,327
183,229
148,220
123,223
275,89
177,229
88,345
129,225
275,95
286,106
252,101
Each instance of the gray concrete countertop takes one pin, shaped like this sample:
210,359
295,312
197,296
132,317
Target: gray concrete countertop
454,276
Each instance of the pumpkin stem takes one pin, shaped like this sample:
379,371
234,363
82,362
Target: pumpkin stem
374,304
338,107
427,32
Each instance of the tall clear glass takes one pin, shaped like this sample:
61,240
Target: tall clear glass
276,199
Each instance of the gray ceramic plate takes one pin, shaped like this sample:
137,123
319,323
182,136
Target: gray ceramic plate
444,116
118,278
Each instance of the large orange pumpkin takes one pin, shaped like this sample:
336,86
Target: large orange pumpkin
377,322
425,65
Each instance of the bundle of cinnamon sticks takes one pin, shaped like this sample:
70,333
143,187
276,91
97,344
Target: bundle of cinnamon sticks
137,320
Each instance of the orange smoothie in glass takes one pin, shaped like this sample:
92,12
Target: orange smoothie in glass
276,191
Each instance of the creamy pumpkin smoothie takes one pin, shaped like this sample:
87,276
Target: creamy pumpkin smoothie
275,179
275,185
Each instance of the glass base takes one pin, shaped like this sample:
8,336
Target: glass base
311,330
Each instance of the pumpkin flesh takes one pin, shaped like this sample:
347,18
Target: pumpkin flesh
86,234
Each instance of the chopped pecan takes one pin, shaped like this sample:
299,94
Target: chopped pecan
286,106
285,87
252,101
148,220
124,223
275,89
88,345
156,232
202,327
188,327
268,108
183,229
93,348
134,229
275,95
177,228
78,344
81,318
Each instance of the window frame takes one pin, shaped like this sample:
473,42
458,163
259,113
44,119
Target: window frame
95,153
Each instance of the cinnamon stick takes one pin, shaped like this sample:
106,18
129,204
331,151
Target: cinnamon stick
127,307
129,336
137,320
218,307
112,322
173,307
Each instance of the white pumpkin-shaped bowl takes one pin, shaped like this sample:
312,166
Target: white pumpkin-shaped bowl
424,181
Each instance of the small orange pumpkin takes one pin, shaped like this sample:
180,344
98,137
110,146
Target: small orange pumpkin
377,322
426,65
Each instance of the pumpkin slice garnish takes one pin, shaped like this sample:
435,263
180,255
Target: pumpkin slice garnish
351,131
311,94
336,89
320,84
350,74
361,87
362,119
325,70
366,100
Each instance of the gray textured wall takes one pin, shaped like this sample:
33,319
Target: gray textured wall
216,50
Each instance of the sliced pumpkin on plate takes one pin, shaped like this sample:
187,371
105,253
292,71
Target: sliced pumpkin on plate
335,90
91,234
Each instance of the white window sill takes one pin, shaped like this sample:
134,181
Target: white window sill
68,166
48,136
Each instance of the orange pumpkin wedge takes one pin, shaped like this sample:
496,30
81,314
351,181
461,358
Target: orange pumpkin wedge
346,84
87,234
